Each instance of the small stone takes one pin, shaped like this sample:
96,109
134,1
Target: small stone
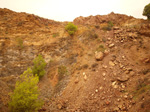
114,85
127,72
103,98
131,96
126,96
123,78
120,106
109,39
121,41
83,73
129,69
99,56
147,60
100,87
118,100
106,52
76,81
96,90
111,63
123,86
85,77
107,102
104,66
111,45
132,73
123,57
116,109
59,106
121,66
116,28
104,74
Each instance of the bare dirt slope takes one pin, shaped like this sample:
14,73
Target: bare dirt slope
102,68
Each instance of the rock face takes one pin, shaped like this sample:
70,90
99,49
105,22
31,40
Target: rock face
92,82
98,19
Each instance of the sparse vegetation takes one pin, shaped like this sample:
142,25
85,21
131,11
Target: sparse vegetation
55,34
62,72
20,43
71,28
91,35
142,89
25,96
108,27
39,66
97,26
101,48
146,11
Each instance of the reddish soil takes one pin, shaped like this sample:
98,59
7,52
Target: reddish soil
118,83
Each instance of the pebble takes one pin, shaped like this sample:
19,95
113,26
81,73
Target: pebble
100,87
111,45
104,66
123,86
99,56
118,100
114,84
104,74
132,73
76,81
96,90
125,96
111,63
85,77
103,98
127,72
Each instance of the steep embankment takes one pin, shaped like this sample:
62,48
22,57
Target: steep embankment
102,68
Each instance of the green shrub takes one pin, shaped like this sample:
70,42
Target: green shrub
62,72
25,96
71,28
146,11
39,66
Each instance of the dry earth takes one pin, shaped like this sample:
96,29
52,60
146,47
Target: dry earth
108,68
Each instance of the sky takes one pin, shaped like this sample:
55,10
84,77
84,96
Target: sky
68,10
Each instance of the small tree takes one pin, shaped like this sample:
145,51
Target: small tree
146,11
39,66
71,28
25,96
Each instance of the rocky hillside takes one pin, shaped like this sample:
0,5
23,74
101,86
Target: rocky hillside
105,65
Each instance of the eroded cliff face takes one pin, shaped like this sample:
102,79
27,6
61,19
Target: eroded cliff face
107,61
98,19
